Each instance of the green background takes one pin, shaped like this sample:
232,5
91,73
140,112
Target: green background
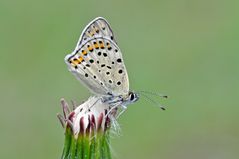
187,49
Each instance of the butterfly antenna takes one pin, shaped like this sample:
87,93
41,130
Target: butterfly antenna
152,101
154,93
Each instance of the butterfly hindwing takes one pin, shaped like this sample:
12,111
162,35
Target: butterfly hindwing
99,65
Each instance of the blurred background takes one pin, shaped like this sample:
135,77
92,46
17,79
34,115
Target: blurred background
187,49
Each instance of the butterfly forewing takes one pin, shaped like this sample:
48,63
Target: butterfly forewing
98,64
99,27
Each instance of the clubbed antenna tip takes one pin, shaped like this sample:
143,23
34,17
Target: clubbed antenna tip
165,96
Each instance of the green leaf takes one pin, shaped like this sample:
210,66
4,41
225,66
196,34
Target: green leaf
67,143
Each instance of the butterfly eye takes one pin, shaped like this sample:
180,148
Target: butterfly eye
132,96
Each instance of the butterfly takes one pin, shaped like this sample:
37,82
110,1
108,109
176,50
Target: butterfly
98,64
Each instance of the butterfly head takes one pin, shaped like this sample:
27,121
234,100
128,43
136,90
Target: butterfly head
131,97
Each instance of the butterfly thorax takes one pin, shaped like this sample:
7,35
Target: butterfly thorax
125,99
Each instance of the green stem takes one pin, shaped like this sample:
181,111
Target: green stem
67,144
86,146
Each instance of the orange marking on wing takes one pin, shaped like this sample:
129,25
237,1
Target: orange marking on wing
80,59
75,61
108,46
84,52
96,45
102,45
90,48
71,62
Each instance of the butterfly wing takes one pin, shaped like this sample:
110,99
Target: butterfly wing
98,27
99,65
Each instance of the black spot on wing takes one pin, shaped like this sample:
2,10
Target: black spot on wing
91,61
119,60
105,54
120,71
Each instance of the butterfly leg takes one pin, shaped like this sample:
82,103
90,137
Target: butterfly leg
113,107
122,111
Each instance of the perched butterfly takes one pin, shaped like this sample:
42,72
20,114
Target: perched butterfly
97,62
